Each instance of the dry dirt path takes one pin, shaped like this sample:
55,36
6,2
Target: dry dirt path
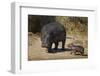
36,52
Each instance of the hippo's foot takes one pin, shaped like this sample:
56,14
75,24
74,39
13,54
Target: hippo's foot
55,49
52,51
63,49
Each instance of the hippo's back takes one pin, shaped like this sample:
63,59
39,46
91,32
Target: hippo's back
53,27
56,31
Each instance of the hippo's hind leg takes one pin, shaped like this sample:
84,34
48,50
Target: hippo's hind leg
63,44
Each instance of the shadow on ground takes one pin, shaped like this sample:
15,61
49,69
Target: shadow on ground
58,50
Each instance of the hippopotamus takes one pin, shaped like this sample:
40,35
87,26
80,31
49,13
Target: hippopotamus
53,33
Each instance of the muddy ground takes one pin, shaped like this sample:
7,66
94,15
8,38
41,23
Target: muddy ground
36,52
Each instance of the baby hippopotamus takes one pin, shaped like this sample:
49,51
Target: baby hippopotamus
76,49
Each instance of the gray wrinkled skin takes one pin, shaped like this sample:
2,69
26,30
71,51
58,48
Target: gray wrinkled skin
53,33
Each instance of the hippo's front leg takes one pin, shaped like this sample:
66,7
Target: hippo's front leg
56,46
50,48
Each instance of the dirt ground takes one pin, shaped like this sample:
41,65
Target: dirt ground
36,52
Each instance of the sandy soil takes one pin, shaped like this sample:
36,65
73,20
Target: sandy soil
36,52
